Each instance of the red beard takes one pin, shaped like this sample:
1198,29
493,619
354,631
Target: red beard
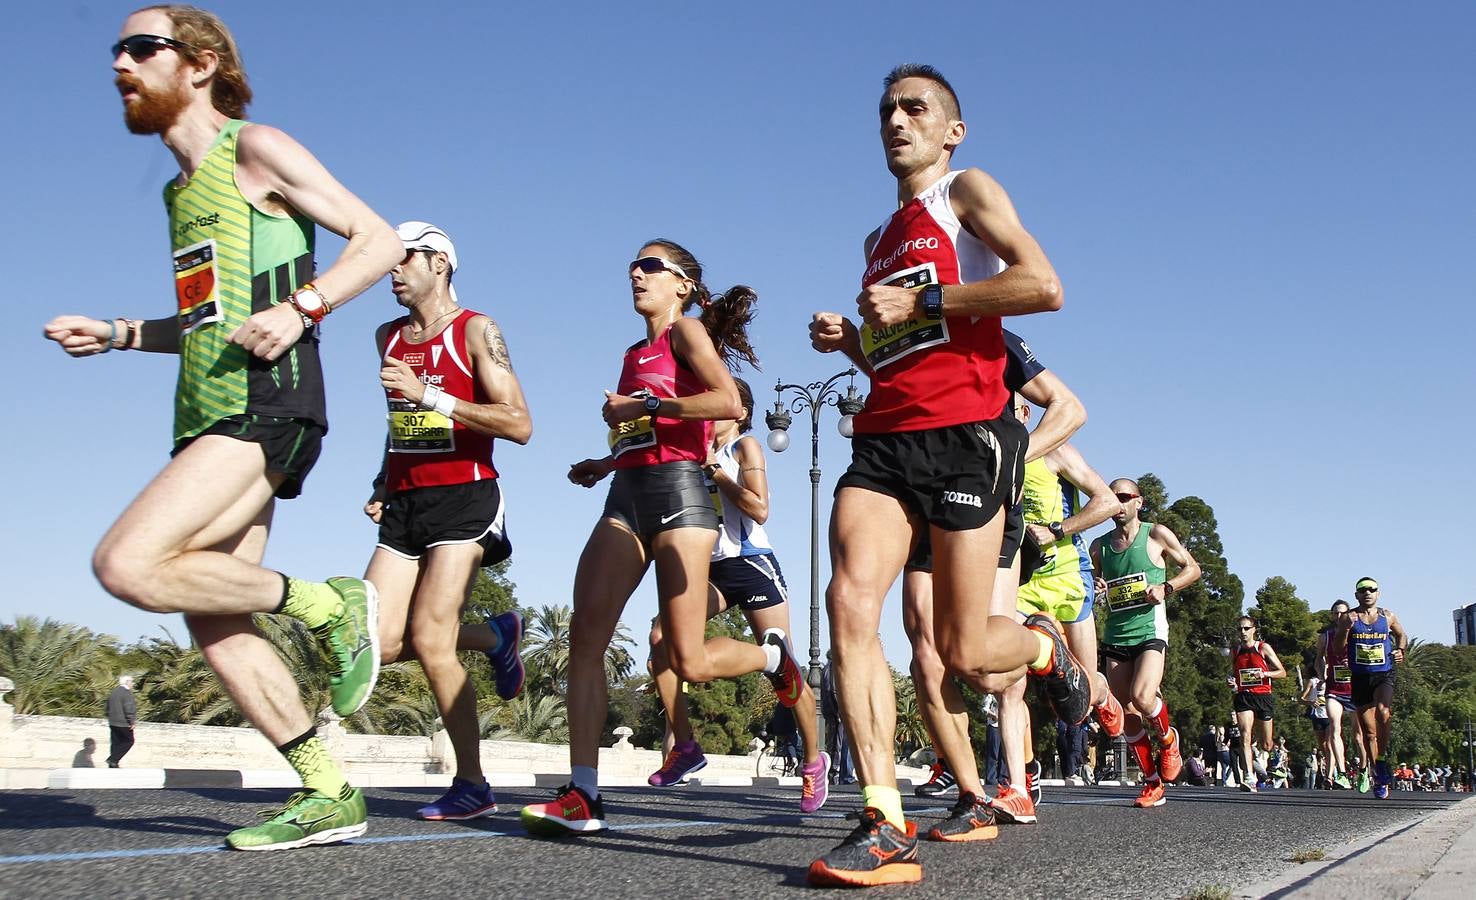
153,111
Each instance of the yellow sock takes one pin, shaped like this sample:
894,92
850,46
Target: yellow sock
1047,649
314,602
887,800
318,771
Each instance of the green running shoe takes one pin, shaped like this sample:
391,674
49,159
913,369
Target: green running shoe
308,818
1341,782
351,640
1363,782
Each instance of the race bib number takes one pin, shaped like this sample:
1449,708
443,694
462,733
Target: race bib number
887,345
1342,674
1127,592
416,430
636,434
1252,677
1369,654
195,286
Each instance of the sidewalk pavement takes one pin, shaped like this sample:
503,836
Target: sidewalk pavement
1431,858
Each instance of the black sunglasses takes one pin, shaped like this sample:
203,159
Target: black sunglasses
140,47
653,264
1126,497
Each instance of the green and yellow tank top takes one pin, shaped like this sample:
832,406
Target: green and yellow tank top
1048,498
230,261
1131,619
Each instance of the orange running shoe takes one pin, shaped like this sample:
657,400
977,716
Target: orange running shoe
1170,760
1110,715
1152,794
1012,807
877,852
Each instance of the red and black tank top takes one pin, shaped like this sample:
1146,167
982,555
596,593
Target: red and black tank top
1250,670
1339,674
654,370
426,448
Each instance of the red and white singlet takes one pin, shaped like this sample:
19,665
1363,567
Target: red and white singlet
654,369
925,373
426,448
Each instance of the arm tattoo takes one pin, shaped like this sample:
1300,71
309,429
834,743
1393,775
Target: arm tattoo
496,346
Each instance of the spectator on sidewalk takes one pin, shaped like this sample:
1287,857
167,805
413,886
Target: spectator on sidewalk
837,744
122,712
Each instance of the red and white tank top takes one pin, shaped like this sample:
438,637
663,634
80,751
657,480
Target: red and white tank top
426,448
653,369
925,373
1250,670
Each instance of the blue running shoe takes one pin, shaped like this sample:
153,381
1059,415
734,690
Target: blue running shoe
1383,774
1381,792
507,662
464,801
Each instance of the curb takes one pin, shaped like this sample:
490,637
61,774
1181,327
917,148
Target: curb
1430,857
162,779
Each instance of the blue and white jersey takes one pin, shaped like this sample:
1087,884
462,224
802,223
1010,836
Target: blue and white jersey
738,535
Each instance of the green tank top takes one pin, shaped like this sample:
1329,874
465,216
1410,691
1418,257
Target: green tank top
231,261
1131,620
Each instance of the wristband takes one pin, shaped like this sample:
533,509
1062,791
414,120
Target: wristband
445,404
429,398
112,334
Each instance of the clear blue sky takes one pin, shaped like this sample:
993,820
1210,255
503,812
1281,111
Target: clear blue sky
1262,215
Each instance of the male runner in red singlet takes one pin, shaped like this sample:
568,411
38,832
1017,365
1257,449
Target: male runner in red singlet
451,390
936,450
249,407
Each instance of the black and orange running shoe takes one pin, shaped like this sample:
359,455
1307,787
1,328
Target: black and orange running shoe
877,852
971,819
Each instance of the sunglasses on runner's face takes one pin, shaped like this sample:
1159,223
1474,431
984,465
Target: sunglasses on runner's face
653,264
1126,497
1368,590
1247,628
140,47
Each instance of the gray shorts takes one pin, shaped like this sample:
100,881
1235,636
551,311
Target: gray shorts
651,499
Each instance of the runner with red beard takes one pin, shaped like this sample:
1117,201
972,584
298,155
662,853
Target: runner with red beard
249,407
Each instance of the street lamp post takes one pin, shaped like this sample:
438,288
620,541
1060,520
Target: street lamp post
812,397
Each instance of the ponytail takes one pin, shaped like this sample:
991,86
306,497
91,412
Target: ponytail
726,318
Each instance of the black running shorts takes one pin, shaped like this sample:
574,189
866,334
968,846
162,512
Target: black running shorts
291,446
1263,705
1366,686
749,582
956,477
1128,653
921,558
416,520
651,499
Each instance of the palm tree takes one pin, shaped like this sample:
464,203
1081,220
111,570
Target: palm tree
541,719
911,733
58,669
546,651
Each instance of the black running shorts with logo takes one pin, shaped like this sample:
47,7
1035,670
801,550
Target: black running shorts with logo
956,477
1366,685
291,446
749,582
1263,705
651,499
416,520
1015,539
1128,653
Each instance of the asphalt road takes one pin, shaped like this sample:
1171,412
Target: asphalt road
683,842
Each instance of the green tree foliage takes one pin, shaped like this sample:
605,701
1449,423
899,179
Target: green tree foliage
1286,623
58,669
